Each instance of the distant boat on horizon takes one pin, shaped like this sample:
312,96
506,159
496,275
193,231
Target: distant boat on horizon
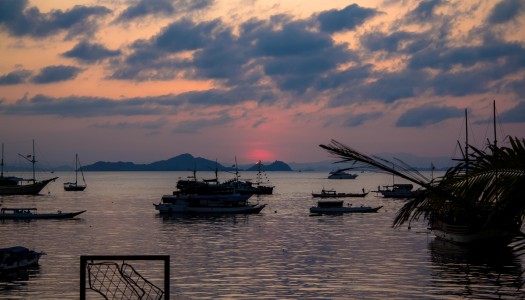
341,174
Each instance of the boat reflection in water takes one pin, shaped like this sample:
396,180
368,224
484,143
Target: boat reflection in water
475,272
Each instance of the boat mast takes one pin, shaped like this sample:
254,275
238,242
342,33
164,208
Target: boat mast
494,112
466,144
76,168
2,162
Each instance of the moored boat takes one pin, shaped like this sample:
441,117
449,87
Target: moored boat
20,186
397,190
333,194
336,207
341,174
16,258
75,186
204,204
32,213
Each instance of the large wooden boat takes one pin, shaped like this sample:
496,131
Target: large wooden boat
20,186
32,213
207,204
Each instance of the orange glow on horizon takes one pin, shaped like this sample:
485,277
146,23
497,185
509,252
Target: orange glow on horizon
260,155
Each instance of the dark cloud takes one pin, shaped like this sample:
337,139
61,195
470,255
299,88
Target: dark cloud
467,56
90,53
424,12
347,18
505,11
185,35
396,42
75,106
20,20
514,115
15,77
427,115
144,8
356,120
55,74
195,126
147,125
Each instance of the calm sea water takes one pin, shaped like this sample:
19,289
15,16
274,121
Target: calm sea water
281,253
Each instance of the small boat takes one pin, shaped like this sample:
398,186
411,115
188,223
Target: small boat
16,186
336,207
205,204
18,257
31,213
341,174
74,186
333,194
397,190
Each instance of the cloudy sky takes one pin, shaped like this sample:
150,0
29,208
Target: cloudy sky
144,80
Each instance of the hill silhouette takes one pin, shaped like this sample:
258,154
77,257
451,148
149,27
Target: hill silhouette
183,162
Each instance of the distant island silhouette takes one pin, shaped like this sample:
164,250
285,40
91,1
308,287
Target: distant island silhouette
183,162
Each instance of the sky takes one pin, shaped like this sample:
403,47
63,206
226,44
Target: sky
146,80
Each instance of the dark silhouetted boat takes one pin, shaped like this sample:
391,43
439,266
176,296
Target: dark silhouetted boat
341,174
20,186
336,207
17,258
74,186
32,213
333,194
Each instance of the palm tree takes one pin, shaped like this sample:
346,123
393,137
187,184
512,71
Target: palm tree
485,191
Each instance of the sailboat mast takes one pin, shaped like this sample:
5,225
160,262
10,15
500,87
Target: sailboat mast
2,163
494,125
33,161
76,168
466,144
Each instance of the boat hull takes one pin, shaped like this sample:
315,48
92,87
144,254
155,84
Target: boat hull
26,216
340,210
25,189
15,258
168,208
338,195
465,234
74,188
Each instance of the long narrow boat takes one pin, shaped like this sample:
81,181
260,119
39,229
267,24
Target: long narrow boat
31,213
333,194
336,207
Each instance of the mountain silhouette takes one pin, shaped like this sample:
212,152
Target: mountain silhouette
183,162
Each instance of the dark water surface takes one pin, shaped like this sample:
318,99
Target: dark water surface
282,253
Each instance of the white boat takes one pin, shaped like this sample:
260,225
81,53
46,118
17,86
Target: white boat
18,257
19,186
397,190
32,213
336,207
74,186
341,174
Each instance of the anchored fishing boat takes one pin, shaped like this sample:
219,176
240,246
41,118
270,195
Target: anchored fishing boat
336,207
32,213
20,186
